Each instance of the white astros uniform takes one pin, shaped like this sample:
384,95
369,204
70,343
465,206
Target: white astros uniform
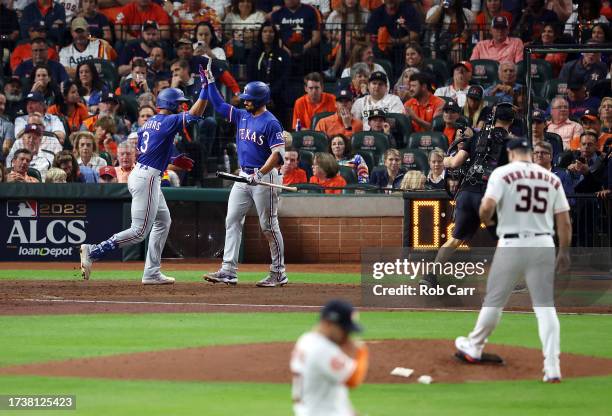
320,370
527,196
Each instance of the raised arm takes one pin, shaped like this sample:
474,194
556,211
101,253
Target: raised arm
214,96
197,109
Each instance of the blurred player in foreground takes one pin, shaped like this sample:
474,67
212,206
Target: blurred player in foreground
529,201
326,361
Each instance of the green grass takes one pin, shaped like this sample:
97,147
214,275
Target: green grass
180,275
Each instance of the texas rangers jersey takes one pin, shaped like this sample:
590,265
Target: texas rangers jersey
320,370
156,138
256,136
527,197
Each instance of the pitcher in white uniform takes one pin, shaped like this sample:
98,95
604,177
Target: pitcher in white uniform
529,201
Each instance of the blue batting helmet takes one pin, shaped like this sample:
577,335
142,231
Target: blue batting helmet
258,92
169,98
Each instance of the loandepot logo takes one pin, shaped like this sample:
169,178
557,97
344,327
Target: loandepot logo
45,251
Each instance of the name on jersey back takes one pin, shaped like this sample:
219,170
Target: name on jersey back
152,125
529,174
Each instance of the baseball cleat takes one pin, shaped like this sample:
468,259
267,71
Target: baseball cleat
85,261
552,380
465,351
273,279
221,277
162,279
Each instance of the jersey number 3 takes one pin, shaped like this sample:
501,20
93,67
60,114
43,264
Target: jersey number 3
532,199
145,142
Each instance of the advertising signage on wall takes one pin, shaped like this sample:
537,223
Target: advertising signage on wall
48,230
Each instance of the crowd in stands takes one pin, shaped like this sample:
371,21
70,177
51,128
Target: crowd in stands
373,91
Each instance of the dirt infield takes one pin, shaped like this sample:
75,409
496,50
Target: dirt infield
243,363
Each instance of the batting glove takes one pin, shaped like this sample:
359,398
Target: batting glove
254,179
206,75
182,161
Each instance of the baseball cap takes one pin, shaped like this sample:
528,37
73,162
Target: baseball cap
39,26
452,106
33,128
35,96
79,23
108,96
377,112
107,170
538,115
342,314
499,22
344,94
465,64
504,111
183,41
520,143
589,114
378,76
149,24
476,92
574,84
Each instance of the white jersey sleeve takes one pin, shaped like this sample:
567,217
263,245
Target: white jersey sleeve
495,187
560,203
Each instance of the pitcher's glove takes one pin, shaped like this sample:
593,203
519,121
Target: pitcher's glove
182,161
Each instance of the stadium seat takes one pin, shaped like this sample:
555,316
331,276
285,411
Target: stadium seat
414,159
541,71
401,128
352,188
427,141
387,66
309,188
319,116
554,87
484,72
348,173
129,107
344,82
375,142
306,156
107,157
554,139
491,100
439,68
541,103
313,141
107,72
35,174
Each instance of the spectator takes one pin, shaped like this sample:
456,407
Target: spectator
415,59
243,21
424,106
362,53
40,56
392,26
475,109
7,129
23,51
269,63
313,102
104,129
340,148
551,34
450,24
192,12
35,103
136,83
20,166
108,106
70,107
107,174
157,64
55,175
377,120
342,122
501,47
15,104
543,156
561,124
48,11
99,26
578,100
325,172
435,177
9,28
150,37
290,171
457,90
587,167
600,33
590,121
378,98
41,82
490,10
2,173
89,84
66,161
414,180
126,160
402,86
300,30
507,87
605,114
390,176
41,159
86,150
359,80
135,14
582,19
534,16
588,69
83,47
144,113
450,114
539,133
48,143
207,43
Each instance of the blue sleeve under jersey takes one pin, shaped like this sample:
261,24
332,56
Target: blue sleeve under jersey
218,103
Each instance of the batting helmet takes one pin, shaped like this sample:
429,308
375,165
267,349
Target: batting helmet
258,92
169,98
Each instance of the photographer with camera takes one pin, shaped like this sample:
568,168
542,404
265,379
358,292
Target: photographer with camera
481,153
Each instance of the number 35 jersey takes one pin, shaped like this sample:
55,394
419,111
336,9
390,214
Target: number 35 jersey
527,196
156,138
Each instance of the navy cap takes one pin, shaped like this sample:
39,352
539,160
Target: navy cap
342,314
39,26
35,96
108,97
538,115
149,24
452,106
377,112
499,22
520,143
589,114
344,94
476,92
378,76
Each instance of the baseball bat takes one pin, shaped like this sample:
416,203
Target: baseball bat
236,178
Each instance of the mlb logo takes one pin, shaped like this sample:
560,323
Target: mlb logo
308,141
22,209
408,159
425,141
368,141
480,70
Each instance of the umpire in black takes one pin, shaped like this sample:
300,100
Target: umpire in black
481,153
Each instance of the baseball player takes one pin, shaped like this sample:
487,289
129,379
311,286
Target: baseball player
150,213
526,197
260,145
325,361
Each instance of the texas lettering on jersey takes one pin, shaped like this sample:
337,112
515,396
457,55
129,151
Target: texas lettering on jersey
253,136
